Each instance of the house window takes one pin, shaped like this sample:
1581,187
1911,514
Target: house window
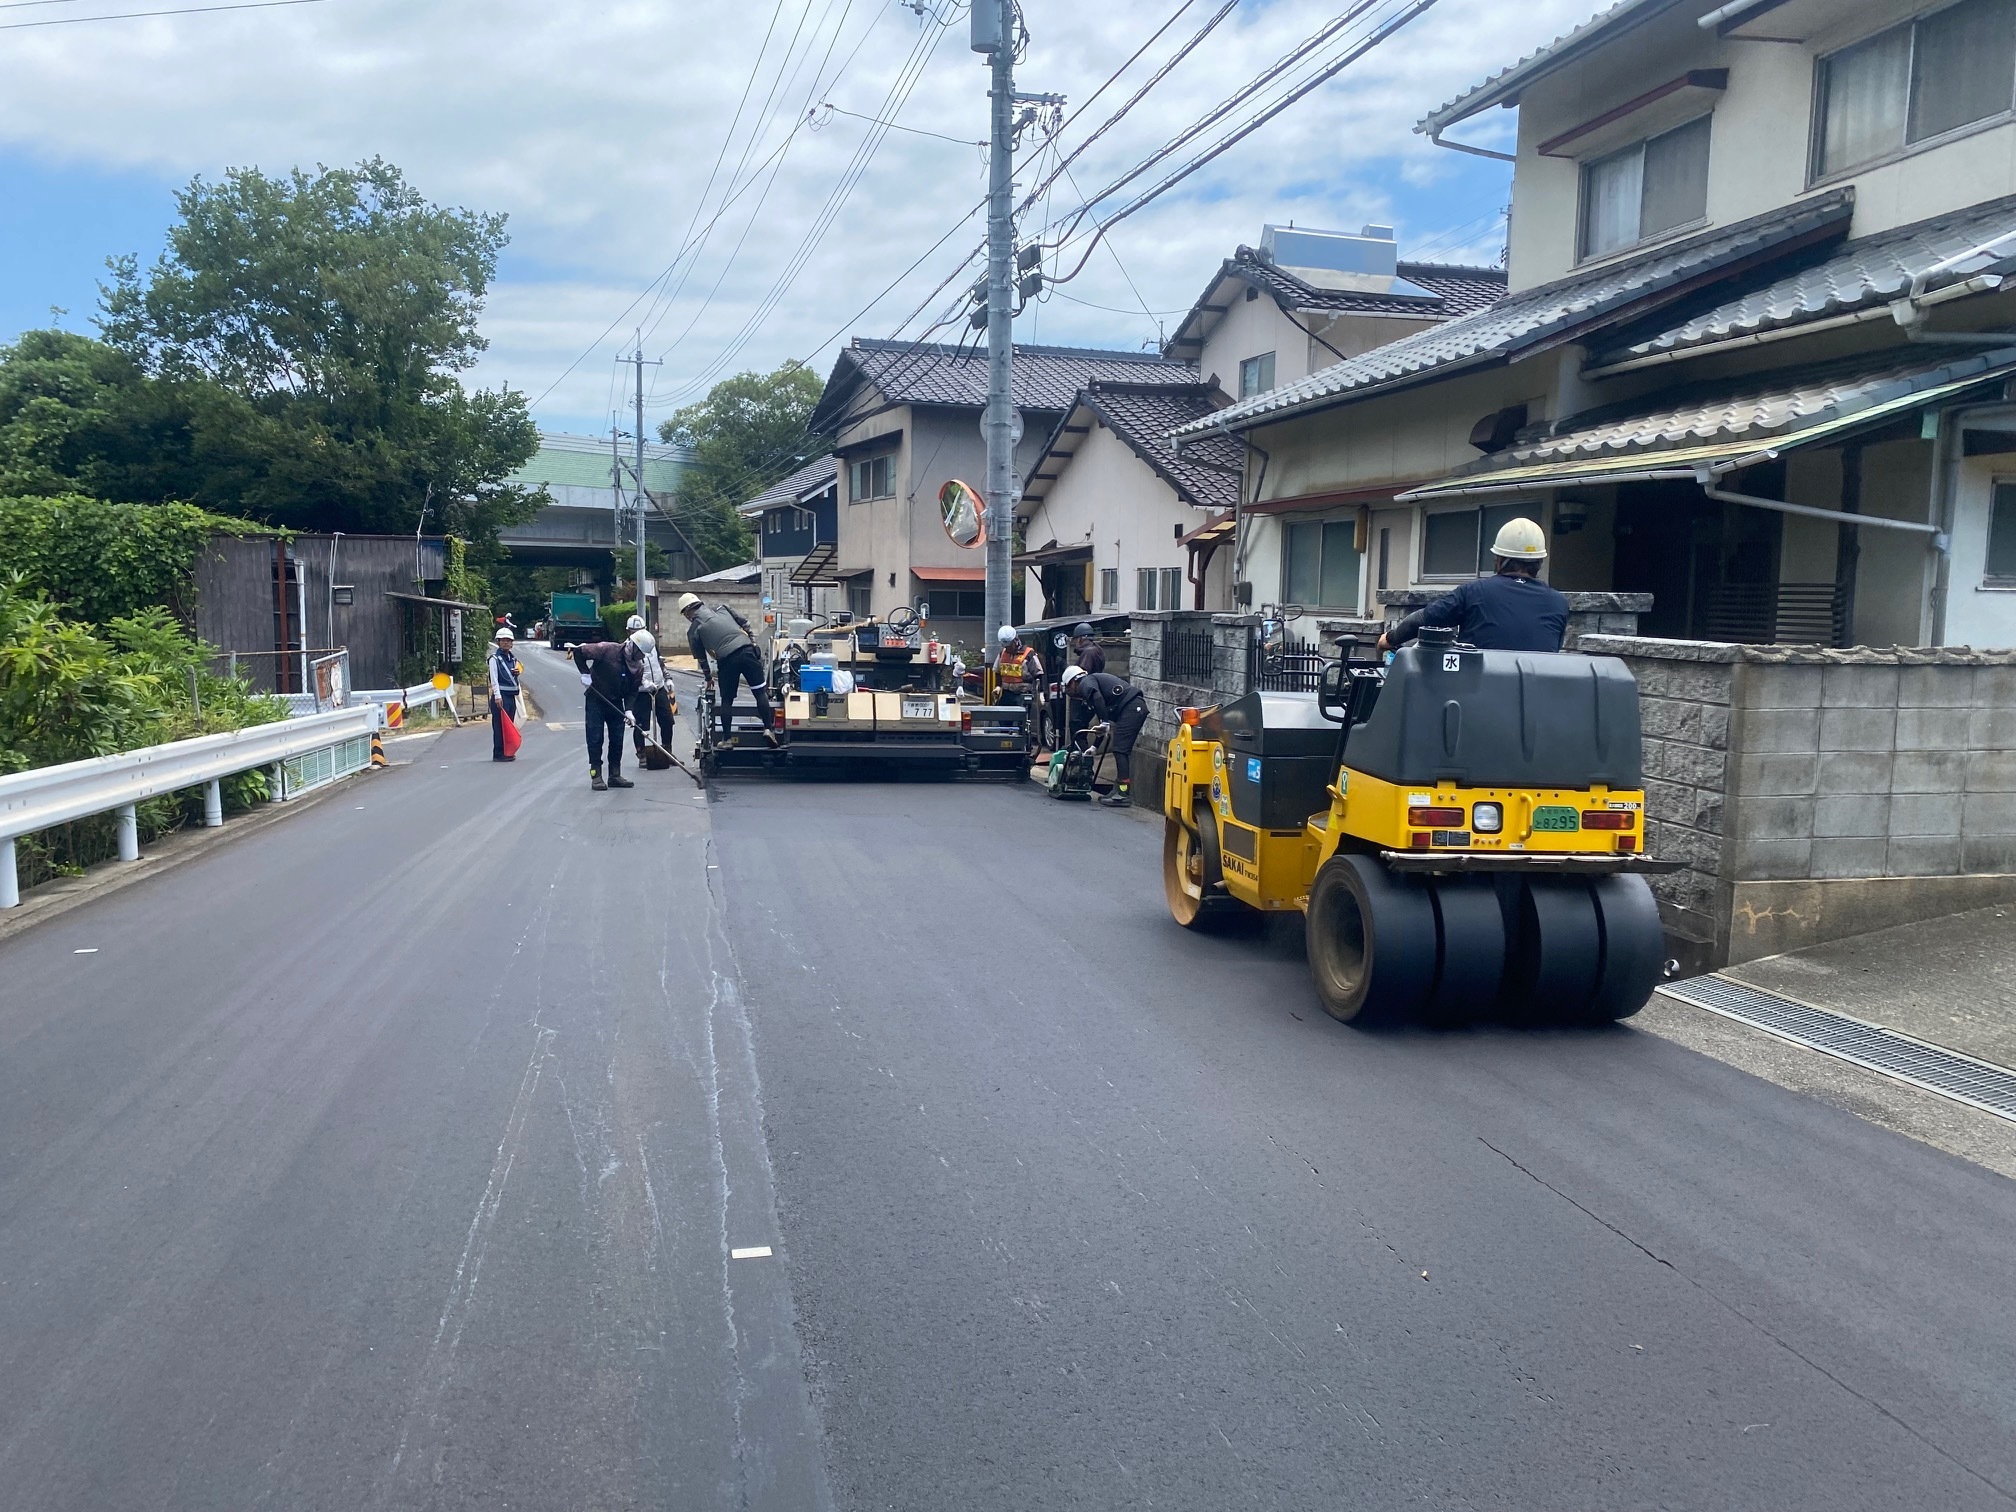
1647,189
857,598
1256,375
1321,564
1914,82
1109,587
1158,587
1457,542
2001,568
872,477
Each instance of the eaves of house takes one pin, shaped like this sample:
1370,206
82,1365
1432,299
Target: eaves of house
1141,416
1536,320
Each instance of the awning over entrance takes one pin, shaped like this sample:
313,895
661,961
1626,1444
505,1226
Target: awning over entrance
949,574
1049,555
816,570
1710,431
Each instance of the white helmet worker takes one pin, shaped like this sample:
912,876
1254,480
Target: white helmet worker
635,622
505,637
688,601
1071,674
643,639
1005,635
1520,540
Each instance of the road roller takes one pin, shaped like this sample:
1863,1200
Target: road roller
1463,830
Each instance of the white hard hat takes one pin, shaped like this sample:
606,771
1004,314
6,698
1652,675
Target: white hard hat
1072,674
642,637
505,634
1005,634
1520,540
688,601
635,622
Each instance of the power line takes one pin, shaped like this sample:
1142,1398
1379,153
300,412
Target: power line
187,10
1381,31
828,105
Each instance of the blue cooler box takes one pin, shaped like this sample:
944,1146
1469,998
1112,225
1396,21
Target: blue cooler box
813,679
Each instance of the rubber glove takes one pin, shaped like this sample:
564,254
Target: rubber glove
587,680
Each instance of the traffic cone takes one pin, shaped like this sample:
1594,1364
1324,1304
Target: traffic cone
377,749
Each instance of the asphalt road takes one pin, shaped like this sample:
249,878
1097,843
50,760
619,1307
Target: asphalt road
395,1156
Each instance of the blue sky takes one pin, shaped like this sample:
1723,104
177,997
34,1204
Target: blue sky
519,106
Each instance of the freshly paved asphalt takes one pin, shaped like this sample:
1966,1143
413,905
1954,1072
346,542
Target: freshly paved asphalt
393,1158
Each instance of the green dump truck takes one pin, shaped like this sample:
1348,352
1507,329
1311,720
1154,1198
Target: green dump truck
573,618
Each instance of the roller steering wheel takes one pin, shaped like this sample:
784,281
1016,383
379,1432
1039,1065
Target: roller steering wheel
901,619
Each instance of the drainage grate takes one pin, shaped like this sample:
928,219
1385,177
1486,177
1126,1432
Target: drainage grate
1979,1084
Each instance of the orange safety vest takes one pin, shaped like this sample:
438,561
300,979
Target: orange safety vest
1009,667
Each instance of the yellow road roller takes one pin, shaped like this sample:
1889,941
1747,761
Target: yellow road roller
1463,829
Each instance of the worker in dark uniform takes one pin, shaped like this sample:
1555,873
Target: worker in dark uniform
719,632
1086,649
1512,610
610,673
1121,705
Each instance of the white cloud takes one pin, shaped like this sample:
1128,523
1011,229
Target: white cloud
595,127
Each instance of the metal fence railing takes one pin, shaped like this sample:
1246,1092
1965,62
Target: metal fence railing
1188,656
319,747
1291,666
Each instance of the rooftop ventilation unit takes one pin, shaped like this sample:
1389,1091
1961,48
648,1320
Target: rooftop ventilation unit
1364,263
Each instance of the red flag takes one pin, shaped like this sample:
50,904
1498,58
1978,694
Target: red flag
512,739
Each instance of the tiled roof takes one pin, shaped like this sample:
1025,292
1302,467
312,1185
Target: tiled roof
1548,312
1142,415
1860,274
1045,377
1459,290
1507,82
1756,410
790,490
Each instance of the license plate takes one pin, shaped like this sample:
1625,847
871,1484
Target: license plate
1556,818
920,708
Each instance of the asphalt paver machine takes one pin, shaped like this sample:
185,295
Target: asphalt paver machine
1464,831
866,695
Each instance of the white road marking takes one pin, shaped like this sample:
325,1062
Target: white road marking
87,950
755,1252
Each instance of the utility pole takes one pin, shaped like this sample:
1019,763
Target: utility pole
643,501
993,33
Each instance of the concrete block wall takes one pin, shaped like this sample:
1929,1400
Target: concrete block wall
1816,793
1166,695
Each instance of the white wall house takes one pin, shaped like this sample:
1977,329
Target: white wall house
1757,308
905,418
1109,489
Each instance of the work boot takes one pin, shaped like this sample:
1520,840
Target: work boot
1118,798
771,736
617,779
595,780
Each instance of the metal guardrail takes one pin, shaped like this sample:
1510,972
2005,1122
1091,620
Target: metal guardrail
422,696
48,796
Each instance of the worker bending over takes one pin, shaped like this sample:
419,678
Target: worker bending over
610,673
1510,611
653,698
1122,706
716,630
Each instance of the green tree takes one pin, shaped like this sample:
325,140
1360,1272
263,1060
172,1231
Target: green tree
78,416
746,434
309,330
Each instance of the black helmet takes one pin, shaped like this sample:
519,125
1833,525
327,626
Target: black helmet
1082,632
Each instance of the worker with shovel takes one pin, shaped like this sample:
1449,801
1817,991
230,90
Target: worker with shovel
611,671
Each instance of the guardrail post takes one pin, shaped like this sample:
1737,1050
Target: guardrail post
213,803
129,833
10,883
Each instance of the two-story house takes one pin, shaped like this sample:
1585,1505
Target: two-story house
796,523
1270,315
905,418
1756,355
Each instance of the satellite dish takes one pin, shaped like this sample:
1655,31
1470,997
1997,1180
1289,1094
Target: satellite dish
964,513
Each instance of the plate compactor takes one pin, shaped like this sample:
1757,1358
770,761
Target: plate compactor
1464,830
